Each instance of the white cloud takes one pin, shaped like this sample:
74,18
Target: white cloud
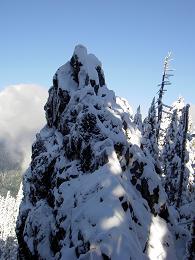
21,116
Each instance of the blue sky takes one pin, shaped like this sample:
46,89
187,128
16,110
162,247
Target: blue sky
131,39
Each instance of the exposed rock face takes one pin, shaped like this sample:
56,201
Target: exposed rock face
90,191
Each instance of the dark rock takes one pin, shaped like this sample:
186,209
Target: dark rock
86,158
38,148
119,149
125,125
137,169
23,251
92,82
88,124
75,64
105,257
164,213
150,198
133,180
56,104
121,198
125,206
127,157
100,76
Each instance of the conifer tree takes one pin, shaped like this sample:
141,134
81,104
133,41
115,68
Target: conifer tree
177,156
9,207
168,155
149,140
183,154
138,119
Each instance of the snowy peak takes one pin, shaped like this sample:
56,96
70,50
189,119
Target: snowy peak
81,52
90,66
91,192
82,71
85,69
179,104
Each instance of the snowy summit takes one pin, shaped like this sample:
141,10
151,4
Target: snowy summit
91,191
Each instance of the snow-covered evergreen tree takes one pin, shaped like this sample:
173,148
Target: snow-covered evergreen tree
138,119
185,171
9,207
149,140
166,121
168,154
177,157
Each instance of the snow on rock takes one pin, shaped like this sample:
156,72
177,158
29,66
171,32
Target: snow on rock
90,191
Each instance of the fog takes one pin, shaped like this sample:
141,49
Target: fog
21,117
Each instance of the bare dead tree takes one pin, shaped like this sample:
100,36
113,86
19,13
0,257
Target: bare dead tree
165,82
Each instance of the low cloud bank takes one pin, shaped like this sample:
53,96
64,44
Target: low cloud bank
21,117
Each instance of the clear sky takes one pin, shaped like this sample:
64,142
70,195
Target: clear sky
131,39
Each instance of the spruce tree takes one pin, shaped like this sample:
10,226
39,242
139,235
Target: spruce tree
149,140
184,172
177,156
138,119
168,156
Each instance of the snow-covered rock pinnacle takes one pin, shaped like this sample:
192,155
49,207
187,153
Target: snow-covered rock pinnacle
90,191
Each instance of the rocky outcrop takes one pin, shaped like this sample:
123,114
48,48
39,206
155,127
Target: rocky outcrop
90,191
